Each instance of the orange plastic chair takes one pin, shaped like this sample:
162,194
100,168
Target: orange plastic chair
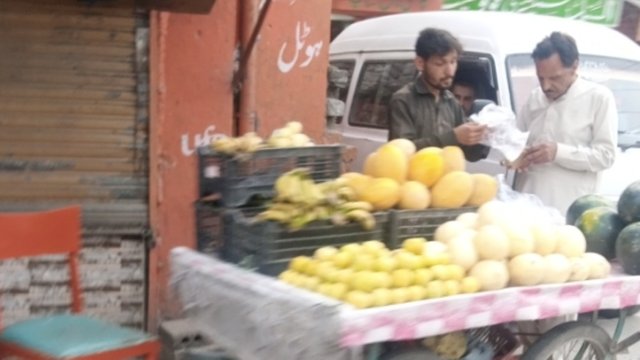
63,336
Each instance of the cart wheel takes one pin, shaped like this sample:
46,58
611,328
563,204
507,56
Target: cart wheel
572,340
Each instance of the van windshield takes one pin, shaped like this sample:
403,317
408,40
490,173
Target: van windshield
619,75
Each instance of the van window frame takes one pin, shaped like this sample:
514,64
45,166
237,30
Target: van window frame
469,56
363,65
354,66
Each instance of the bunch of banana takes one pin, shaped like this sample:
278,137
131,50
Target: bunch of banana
246,143
289,135
299,200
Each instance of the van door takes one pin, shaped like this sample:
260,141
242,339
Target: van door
377,77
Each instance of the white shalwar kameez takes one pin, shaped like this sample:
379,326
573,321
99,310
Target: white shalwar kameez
584,124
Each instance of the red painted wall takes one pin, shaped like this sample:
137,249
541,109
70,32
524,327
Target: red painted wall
367,8
191,68
291,64
191,65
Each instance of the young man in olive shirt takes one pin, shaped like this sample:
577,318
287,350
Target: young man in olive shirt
425,111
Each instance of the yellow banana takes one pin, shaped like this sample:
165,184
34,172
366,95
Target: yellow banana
322,212
284,207
301,220
226,145
355,205
347,193
273,215
310,194
365,218
340,182
249,142
287,187
339,219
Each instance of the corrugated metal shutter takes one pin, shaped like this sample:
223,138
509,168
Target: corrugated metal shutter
73,129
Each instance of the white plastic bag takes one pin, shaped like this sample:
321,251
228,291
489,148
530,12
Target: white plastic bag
503,133
528,205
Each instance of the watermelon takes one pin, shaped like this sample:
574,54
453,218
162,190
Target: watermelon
628,248
601,226
629,203
584,203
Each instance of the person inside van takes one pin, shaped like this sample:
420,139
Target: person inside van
572,124
425,111
465,93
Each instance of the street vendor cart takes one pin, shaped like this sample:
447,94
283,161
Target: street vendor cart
258,317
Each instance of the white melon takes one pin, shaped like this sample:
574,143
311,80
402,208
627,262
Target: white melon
491,274
557,269
527,269
570,241
492,243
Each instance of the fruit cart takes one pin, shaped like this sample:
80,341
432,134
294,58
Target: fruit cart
258,317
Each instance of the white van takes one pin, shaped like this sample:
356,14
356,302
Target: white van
371,59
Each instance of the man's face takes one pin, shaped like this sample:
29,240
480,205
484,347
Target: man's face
438,71
554,78
465,96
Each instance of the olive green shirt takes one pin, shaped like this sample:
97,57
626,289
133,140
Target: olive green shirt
416,115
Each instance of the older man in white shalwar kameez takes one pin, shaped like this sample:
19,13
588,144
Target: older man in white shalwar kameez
573,126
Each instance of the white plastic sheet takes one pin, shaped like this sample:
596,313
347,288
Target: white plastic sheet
503,135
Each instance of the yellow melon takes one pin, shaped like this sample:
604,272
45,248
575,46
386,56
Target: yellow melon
357,181
414,196
485,189
452,190
430,150
453,159
426,166
382,193
388,162
369,164
407,146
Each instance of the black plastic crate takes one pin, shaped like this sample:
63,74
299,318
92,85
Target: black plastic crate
268,246
234,180
405,224
211,231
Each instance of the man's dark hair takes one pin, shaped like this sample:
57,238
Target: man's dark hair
464,83
557,43
432,41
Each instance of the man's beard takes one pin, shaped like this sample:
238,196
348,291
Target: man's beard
443,84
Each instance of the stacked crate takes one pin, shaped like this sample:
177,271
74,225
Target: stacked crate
234,188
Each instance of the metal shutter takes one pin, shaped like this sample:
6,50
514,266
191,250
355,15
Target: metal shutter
73,129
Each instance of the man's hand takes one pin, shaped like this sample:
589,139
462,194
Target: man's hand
521,164
541,153
470,133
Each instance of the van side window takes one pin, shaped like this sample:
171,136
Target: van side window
338,80
377,83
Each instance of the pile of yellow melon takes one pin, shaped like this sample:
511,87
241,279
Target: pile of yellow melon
395,175
502,244
368,274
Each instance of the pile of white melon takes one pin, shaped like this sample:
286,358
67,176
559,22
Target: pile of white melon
503,244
